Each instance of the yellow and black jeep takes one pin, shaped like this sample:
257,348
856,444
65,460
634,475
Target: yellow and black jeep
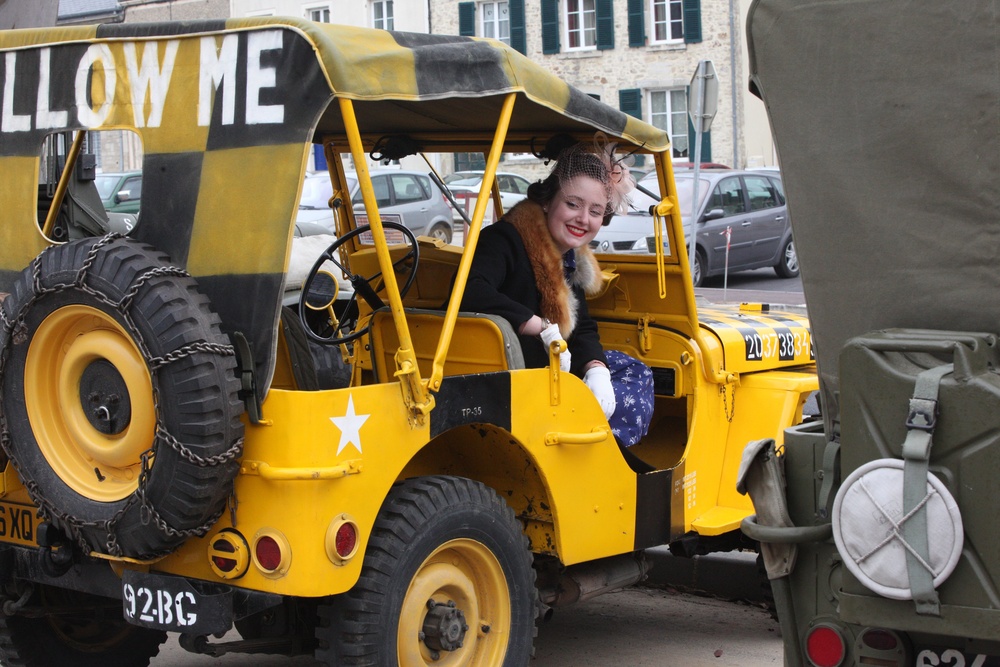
173,461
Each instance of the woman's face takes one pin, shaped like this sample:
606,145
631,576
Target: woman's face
575,214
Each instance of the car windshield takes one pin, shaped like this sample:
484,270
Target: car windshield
464,180
685,193
106,184
685,189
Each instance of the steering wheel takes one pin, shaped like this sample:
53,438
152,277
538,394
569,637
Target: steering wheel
362,286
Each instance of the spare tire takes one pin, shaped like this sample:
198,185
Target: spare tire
120,407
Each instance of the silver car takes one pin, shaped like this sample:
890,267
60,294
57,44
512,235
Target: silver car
410,195
744,209
465,185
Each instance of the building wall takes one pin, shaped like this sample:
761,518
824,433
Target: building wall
408,15
760,150
605,72
143,11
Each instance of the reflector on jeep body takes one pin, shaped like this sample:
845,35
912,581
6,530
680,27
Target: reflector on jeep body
229,554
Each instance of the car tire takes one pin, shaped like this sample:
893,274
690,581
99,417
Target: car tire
447,539
698,274
441,231
788,260
120,397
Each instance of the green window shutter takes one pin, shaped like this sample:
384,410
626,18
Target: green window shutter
605,24
550,26
706,144
636,23
467,19
518,38
692,21
630,101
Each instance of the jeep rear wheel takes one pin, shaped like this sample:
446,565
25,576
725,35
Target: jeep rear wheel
71,628
119,397
447,579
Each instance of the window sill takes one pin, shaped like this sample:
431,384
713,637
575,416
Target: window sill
666,47
582,53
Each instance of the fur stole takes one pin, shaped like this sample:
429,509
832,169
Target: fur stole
558,303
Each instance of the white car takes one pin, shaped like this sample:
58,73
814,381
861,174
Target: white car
513,188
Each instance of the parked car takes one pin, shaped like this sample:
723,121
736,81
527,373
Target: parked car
120,192
513,188
750,205
411,195
678,166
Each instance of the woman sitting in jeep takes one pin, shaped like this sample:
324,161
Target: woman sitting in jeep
534,267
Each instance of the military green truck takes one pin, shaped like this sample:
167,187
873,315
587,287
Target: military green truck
880,535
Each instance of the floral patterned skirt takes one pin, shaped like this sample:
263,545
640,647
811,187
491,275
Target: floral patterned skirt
633,384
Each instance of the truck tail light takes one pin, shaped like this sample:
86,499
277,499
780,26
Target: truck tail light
878,646
229,554
342,539
825,647
271,553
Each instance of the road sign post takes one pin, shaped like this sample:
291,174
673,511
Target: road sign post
703,101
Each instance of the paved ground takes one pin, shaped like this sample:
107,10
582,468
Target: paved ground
692,612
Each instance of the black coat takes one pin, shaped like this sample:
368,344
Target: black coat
502,282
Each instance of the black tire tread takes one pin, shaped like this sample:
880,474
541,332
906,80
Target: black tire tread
350,627
198,401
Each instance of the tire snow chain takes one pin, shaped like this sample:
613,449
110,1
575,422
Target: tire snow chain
147,511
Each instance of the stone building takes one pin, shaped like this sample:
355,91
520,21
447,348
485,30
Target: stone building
142,11
636,55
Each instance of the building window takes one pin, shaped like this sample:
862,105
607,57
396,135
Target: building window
319,14
668,20
382,15
581,24
496,21
668,111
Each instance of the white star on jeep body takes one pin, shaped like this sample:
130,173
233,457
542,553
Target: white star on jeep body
350,427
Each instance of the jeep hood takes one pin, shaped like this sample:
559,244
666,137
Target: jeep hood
886,119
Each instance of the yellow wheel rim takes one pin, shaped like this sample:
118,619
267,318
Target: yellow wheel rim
466,573
89,400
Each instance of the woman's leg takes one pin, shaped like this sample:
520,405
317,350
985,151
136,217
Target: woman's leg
633,384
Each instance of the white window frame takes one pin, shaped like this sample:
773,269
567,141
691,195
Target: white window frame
325,12
665,24
670,117
583,32
387,21
496,25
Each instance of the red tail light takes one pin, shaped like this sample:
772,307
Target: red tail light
268,553
347,540
825,646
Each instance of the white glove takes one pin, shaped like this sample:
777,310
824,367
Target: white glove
598,380
551,334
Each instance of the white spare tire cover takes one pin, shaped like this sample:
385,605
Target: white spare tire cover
867,516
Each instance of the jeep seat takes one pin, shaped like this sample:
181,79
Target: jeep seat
480,344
